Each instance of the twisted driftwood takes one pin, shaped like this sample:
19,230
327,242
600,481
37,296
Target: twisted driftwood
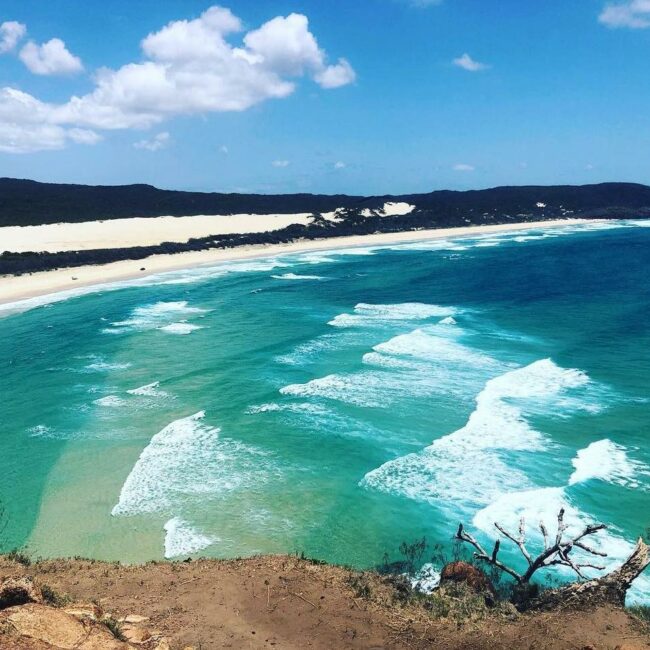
610,588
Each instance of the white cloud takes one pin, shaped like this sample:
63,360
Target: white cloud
280,163
634,14
50,58
25,125
10,33
335,76
158,142
339,165
466,62
191,68
84,136
463,167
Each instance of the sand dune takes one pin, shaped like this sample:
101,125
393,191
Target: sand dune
150,231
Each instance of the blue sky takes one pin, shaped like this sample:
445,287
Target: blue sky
368,97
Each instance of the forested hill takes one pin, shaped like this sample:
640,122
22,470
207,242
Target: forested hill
25,202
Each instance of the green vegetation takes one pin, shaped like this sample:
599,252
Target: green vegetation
114,626
16,555
641,612
53,597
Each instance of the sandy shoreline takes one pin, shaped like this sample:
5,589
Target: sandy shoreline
17,288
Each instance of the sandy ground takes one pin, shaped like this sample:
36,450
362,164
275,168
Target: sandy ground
14,289
125,233
284,602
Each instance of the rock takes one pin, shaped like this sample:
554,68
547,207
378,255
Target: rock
59,629
83,611
18,591
163,644
135,634
463,572
133,619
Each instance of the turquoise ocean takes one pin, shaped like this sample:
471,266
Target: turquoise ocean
336,403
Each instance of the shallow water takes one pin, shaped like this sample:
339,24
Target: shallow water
336,403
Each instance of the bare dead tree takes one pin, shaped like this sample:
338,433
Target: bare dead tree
557,552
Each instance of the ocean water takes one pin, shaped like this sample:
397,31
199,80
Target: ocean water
336,403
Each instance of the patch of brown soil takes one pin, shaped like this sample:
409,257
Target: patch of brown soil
284,602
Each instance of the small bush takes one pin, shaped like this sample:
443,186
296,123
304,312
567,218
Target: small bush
53,597
116,629
19,556
359,584
641,612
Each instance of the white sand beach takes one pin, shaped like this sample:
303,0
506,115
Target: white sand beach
17,288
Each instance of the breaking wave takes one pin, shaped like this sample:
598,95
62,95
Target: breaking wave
187,460
368,315
606,461
182,539
467,465
160,315
148,390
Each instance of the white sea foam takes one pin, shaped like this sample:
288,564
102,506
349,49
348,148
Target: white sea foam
206,273
112,401
99,364
181,328
148,390
447,473
422,364
386,361
293,407
305,352
367,315
489,243
359,389
423,345
182,539
294,276
155,316
449,320
466,466
426,580
431,245
606,461
41,431
187,460
313,258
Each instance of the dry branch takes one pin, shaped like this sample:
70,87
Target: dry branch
557,554
609,588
